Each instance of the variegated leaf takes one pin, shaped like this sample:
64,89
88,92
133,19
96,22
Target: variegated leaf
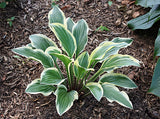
64,99
65,37
51,76
118,61
118,79
70,24
56,16
36,54
36,87
113,94
81,65
96,89
80,32
40,41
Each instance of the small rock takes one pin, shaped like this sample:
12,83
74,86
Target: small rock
155,113
119,0
31,19
5,58
111,104
126,17
131,75
129,12
81,9
4,78
136,14
125,2
106,5
124,24
118,21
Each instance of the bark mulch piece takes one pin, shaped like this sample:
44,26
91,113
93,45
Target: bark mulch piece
17,72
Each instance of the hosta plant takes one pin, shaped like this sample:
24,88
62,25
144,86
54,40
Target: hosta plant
155,85
145,22
76,80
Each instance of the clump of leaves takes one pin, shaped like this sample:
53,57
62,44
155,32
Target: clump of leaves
4,3
109,3
79,64
10,21
102,28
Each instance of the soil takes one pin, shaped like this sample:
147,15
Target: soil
17,72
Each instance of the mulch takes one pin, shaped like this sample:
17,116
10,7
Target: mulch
17,72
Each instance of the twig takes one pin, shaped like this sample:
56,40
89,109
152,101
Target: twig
45,104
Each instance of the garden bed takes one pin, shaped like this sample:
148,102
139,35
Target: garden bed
17,72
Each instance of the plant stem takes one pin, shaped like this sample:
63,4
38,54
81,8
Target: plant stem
68,68
82,88
71,75
94,64
81,82
94,77
69,79
87,74
86,94
59,70
77,83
